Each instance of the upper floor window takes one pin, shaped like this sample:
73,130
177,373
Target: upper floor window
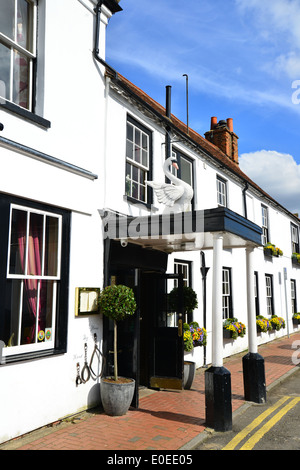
221,192
184,170
17,51
265,225
295,238
138,165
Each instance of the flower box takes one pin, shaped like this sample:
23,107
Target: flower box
277,322
227,334
193,336
263,324
296,319
272,250
296,259
232,329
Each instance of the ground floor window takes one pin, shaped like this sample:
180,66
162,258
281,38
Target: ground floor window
269,294
184,268
226,293
293,296
256,293
36,249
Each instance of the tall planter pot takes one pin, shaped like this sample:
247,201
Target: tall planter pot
188,374
117,302
116,397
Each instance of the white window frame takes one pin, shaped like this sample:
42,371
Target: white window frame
36,346
138,165
30,53
221,191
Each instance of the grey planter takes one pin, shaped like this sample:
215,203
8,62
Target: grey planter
116,397
188,374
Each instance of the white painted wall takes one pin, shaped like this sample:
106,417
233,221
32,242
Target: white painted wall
72,93
71,96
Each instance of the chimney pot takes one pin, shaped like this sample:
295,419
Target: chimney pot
230,124
213,122
221,134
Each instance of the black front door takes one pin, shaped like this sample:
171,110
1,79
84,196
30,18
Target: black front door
161,332
150,343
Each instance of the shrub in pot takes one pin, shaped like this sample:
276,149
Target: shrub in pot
190,300
117,302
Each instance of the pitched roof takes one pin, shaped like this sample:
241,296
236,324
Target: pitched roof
209,148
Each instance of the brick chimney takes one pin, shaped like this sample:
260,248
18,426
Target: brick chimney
221,134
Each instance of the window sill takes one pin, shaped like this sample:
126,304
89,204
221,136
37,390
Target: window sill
33,355
25,114
132,200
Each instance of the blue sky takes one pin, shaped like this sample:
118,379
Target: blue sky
242,58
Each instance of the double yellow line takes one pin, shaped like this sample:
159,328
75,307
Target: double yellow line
250,443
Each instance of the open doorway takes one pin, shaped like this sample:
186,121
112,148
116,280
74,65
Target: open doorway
150,343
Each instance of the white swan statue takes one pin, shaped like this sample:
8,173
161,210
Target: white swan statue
177,195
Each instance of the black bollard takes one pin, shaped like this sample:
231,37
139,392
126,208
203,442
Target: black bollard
218,399
254,378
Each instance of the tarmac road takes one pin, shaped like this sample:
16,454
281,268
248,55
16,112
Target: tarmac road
271,426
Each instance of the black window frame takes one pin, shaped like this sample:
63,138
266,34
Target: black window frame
189,269
230,298
179,156
272,293
61,328
294,300
28,113
294,244
256,294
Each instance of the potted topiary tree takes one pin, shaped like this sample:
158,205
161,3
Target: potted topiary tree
190,302
117,302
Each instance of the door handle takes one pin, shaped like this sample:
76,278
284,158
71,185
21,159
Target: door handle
180,327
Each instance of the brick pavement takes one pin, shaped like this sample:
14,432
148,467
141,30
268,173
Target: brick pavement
166,420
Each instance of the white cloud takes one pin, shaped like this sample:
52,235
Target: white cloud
277,23
235,57
278,174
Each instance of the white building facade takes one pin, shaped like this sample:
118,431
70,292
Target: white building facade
78,145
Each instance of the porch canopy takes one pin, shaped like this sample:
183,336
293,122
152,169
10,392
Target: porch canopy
184,231
215,229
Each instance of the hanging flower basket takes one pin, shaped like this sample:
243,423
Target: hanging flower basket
232,329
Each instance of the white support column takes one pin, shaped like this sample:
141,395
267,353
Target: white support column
217,318
252,337
253,363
